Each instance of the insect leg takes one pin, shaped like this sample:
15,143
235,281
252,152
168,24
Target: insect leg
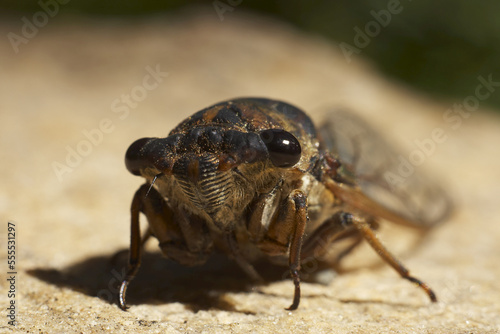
135,244
118,255
285,231
364,228
318,242
299,203
358,239
262,211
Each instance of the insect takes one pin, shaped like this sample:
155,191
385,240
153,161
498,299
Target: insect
254,178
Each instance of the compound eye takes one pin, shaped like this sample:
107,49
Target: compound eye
135,158
284,149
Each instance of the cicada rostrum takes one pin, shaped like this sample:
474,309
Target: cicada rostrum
254,178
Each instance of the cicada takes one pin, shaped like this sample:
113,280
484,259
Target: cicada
254,178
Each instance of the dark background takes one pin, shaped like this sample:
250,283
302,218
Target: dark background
439,47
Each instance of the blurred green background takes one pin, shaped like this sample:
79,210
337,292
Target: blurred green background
438,47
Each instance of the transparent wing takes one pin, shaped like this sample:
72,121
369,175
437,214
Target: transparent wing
388,184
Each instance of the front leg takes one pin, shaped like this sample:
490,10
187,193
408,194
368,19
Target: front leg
285,234
135,244
186,241
299,200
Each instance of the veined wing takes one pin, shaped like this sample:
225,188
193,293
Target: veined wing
388,185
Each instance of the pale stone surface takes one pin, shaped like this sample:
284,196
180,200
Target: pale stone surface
65,81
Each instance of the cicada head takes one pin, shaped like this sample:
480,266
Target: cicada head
214,165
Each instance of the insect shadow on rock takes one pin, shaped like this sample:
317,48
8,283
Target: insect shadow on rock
253,178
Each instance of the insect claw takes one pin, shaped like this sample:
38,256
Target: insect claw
296,295
424,287
122,295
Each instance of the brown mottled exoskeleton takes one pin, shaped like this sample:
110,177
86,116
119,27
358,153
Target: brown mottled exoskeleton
254,178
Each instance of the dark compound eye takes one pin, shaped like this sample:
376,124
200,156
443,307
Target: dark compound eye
284,149
135,159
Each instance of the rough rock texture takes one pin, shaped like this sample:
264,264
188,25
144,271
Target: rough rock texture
69,79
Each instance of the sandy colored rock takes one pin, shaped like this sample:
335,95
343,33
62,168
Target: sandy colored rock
71,78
